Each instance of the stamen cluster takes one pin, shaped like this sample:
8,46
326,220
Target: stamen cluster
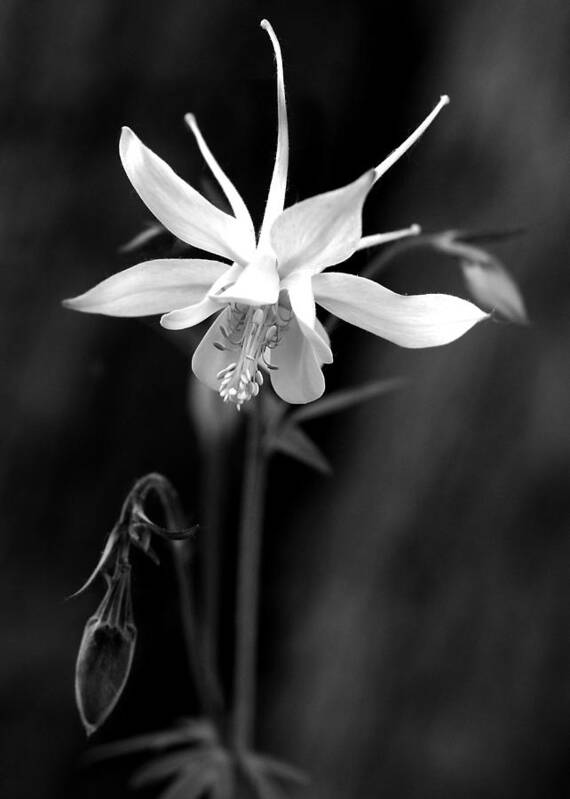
252,331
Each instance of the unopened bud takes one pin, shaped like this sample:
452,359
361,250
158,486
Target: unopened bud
106,652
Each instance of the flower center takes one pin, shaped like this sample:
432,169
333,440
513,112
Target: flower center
251,332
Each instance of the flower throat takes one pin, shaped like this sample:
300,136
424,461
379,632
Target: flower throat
251,332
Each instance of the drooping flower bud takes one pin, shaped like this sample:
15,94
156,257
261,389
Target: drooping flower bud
109,638
106,652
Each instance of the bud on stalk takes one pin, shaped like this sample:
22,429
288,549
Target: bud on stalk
106,652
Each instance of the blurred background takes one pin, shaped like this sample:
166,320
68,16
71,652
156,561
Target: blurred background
416,605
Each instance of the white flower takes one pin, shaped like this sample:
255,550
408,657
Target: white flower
264,300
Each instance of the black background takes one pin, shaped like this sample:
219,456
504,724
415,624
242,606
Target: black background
414,613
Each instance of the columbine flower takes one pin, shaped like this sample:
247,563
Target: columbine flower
264,300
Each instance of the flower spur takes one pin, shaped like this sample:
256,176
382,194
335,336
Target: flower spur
264,299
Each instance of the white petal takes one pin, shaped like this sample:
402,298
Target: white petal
300,293
321,231
151,287
191,315
276,196
385,238
234,198
326,229
208,360
298,378
258,284
396,154
179,207
424,320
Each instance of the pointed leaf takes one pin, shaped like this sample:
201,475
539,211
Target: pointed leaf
292,441
346,398
160,768
262,786
277,768
190,786
103,560
197,731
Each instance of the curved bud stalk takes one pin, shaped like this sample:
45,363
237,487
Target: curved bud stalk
109,638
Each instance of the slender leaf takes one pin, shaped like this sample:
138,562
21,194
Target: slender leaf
190,786
277,768
346,398
166,766
196,731
292,441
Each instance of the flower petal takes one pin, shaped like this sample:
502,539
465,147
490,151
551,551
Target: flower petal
179,207
300,293
191,315
321,231
326,229
234,198
276,196
298,377
150,287
208,360
258,283
424,320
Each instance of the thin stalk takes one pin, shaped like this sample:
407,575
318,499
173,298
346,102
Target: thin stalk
180,550
213,507
248,584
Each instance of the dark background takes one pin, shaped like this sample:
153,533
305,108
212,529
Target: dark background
415,606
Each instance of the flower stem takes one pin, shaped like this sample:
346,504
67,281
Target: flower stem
181,555
248,583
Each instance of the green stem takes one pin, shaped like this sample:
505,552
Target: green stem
248,584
